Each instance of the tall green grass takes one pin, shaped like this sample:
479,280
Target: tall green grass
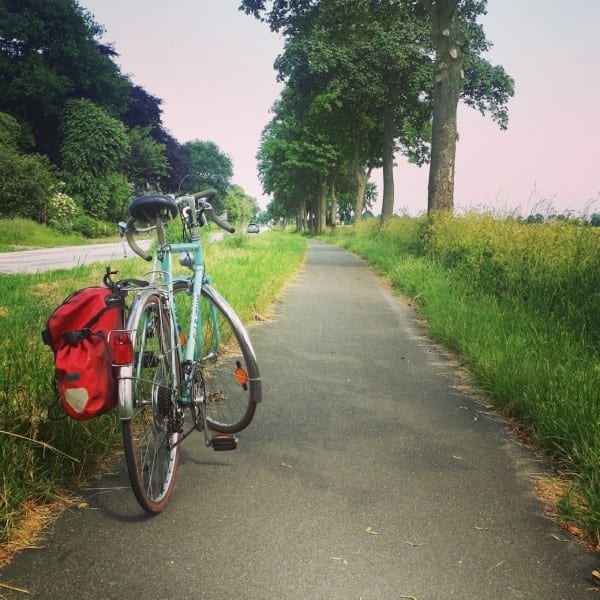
39,457
22,234
521,304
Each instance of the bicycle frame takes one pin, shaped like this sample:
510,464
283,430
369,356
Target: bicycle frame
172,382
162,282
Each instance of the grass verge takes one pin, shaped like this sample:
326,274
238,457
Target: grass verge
521,305
22,234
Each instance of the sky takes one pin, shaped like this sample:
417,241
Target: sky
212,66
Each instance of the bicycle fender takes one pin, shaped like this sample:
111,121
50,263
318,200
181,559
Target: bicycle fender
242,335
125,392
124,375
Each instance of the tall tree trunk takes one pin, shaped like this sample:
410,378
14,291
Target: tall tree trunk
448,78
389,127
310,216
333,205
321,212
301,216
362,177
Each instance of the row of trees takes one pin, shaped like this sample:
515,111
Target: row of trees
71,122
365,80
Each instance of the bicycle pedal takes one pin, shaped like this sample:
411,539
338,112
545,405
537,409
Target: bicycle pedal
222,443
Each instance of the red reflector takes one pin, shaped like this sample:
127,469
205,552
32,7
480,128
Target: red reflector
122,348
241,375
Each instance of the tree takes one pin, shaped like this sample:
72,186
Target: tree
207,167
94,148
453,36
28,181
176,155
146,163
145,110
373,59
457,40
359,68
48,54
239,206
297,162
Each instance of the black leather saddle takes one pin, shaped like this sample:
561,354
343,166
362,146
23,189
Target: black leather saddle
146,208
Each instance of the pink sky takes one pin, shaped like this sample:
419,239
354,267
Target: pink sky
213,67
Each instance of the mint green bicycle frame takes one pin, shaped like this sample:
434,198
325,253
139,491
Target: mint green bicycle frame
162,282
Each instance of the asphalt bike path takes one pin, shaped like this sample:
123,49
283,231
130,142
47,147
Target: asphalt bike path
368,473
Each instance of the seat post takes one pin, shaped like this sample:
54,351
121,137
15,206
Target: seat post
160,229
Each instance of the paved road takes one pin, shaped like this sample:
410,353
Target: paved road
367,473
31,261
67,257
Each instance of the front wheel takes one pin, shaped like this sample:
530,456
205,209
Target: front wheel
226,359
150,437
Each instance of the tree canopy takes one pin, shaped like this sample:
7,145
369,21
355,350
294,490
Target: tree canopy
208,166
379,77
48,54
94,146
68,113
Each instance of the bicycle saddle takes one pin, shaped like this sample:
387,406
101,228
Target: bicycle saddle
146,208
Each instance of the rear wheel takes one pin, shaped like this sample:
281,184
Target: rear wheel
150,437
226,360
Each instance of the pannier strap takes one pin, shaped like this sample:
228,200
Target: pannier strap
95,318
72,337
46,337
133,283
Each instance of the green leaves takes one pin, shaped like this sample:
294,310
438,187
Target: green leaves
94,147
146,162
27,182
48,54
362,73
240,207
208,167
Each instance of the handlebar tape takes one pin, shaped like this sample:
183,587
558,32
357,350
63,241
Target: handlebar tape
222,224
129,234
209,195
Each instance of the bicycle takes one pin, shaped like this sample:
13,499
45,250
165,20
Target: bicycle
184,361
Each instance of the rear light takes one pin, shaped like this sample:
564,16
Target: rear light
121,347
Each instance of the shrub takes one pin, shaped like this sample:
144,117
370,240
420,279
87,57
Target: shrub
92,228
62,211
26,184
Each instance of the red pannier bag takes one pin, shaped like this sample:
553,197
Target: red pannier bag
78,331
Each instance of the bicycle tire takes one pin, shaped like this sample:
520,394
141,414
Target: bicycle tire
150,437
226,359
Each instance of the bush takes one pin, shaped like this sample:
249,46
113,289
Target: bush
94,146
62,211
66,216
92,228
26,184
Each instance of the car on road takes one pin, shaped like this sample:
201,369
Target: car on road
253,228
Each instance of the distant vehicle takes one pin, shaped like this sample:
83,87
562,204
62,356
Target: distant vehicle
253,228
